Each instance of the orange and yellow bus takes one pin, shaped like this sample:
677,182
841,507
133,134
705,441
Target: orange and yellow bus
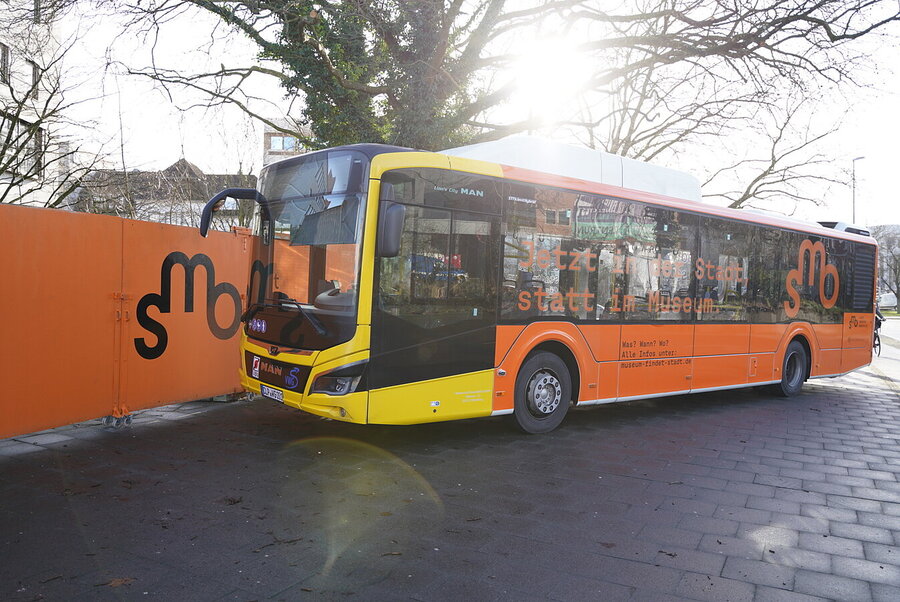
392,286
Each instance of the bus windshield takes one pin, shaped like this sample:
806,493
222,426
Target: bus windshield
306,266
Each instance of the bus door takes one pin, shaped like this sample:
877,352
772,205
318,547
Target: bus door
435,307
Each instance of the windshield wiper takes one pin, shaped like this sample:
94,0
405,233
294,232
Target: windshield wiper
311,318
279,303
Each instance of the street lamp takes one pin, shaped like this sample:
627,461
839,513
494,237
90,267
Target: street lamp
853,187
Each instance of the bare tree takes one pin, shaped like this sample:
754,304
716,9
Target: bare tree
657,110
785,162
711,109
432,74
39,163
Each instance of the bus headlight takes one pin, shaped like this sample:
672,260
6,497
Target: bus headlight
341,381
335,385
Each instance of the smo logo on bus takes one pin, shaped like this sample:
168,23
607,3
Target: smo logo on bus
794,277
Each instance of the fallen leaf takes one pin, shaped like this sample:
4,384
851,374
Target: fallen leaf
119,582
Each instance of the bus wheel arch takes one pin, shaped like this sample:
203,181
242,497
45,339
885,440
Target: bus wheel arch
809,356
795,367
544,388
562,351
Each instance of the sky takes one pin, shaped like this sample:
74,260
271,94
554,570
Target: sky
870,130
132,119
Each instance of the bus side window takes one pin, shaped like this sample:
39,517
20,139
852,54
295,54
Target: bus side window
722,269
658,265
547,271
765,281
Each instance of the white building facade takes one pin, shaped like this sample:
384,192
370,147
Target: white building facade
277,144
32,160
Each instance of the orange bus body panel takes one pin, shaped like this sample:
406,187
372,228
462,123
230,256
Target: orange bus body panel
851,359
653,377
504,386
721,339
603,340
720,352
720,371
857,331
506,336
829,336
530,337
719,355
827,362
655,358
604,343
644,341
608,380
762,368
765,338
857,341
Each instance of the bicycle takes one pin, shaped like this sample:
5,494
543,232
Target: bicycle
876,343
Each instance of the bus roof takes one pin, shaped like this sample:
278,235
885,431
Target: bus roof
590,165
554,163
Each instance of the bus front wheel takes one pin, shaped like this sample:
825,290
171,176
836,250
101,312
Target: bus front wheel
793,371
543,393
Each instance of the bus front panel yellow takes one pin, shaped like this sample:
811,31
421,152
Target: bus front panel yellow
448,398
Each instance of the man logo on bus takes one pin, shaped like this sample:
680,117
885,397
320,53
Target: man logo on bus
794,277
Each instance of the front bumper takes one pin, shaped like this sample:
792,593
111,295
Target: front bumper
291,377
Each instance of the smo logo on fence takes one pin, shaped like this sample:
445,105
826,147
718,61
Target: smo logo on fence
163,302
794,277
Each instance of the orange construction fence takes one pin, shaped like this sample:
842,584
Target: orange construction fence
105,316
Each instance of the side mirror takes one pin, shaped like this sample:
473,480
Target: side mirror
390,223
218,201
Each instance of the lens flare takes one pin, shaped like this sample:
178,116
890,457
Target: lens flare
361,503
549,76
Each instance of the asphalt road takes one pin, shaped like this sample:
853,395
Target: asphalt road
719,496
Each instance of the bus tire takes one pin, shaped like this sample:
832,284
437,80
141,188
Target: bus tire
543,393
793,370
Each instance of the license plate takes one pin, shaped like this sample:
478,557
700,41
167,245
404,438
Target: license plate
272,393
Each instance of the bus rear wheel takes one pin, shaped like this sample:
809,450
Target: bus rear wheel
793,371
543,393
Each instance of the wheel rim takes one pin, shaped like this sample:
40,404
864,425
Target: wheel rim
543,393
793,371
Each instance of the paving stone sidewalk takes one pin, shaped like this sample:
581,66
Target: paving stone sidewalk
724,496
